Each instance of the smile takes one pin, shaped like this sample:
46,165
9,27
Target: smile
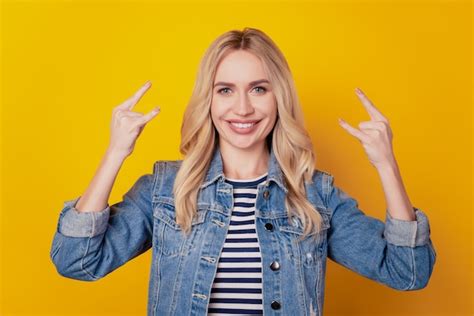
243,128
243,125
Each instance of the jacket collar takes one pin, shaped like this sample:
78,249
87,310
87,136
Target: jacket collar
216,172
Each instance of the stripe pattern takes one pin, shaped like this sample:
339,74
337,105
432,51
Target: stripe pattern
237,287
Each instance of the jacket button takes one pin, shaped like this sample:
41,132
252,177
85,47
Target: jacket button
276,305
269,226
266,194
275,266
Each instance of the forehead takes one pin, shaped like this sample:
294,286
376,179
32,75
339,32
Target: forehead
240,67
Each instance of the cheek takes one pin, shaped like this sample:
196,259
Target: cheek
219,106
216,116
216,109
269,107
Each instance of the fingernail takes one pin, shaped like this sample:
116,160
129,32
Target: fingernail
358,91
157,109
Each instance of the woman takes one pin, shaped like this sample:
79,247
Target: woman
244,223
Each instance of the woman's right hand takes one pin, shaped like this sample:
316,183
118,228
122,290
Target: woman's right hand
127,125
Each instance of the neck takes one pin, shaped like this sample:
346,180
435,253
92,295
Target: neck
244,163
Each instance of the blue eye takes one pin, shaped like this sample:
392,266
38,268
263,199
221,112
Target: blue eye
219,91
261,88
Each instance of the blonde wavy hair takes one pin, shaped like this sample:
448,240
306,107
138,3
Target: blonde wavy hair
289,139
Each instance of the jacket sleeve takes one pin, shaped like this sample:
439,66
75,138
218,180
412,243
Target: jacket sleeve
397,253
88,245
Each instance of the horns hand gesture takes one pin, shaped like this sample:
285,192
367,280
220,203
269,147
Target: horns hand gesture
127,125
375,135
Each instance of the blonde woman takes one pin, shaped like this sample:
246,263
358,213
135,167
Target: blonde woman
245,222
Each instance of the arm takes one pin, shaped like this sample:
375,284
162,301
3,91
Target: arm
97,194
396,253
89,245
92,238
399,252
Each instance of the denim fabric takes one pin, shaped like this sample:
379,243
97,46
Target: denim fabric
89,245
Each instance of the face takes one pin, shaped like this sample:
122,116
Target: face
242,94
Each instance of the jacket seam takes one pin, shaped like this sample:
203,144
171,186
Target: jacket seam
55,251
157,283
157,179
83,259
412,283
139,208
327,187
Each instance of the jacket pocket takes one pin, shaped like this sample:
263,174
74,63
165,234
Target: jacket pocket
309,249
170,239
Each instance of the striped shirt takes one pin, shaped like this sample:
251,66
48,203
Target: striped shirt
237,287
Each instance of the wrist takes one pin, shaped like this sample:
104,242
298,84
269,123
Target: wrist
112,154
389,164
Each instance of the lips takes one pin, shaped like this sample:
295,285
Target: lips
243,122
245,130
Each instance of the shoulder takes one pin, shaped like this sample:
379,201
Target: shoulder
318,191
161,166
321,175
323,178
164,174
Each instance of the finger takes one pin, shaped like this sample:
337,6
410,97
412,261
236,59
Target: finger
353,131
378,125
373,133
130,103
125,113
130,114
374,113
149,116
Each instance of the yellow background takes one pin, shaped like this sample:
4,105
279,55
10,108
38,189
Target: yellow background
66,64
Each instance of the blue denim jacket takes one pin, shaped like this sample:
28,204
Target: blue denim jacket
87,246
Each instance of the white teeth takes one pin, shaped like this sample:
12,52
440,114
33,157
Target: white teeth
240,125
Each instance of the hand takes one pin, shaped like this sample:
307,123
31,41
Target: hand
375,135
127,125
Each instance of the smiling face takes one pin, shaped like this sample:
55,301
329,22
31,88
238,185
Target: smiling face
242,94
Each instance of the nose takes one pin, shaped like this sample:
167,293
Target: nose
244,107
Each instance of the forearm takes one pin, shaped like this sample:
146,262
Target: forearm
96,196
398,203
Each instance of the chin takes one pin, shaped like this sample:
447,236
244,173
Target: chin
245,144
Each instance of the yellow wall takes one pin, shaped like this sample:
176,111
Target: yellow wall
66,64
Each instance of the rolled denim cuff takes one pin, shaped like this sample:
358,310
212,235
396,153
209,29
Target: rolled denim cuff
73,223
407,233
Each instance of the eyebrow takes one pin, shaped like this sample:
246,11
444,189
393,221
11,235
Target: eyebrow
221,83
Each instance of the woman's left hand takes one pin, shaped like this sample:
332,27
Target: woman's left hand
375,135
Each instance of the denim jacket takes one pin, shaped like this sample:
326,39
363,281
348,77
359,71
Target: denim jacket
89,245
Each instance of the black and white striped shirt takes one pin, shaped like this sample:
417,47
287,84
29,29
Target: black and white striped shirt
237,287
